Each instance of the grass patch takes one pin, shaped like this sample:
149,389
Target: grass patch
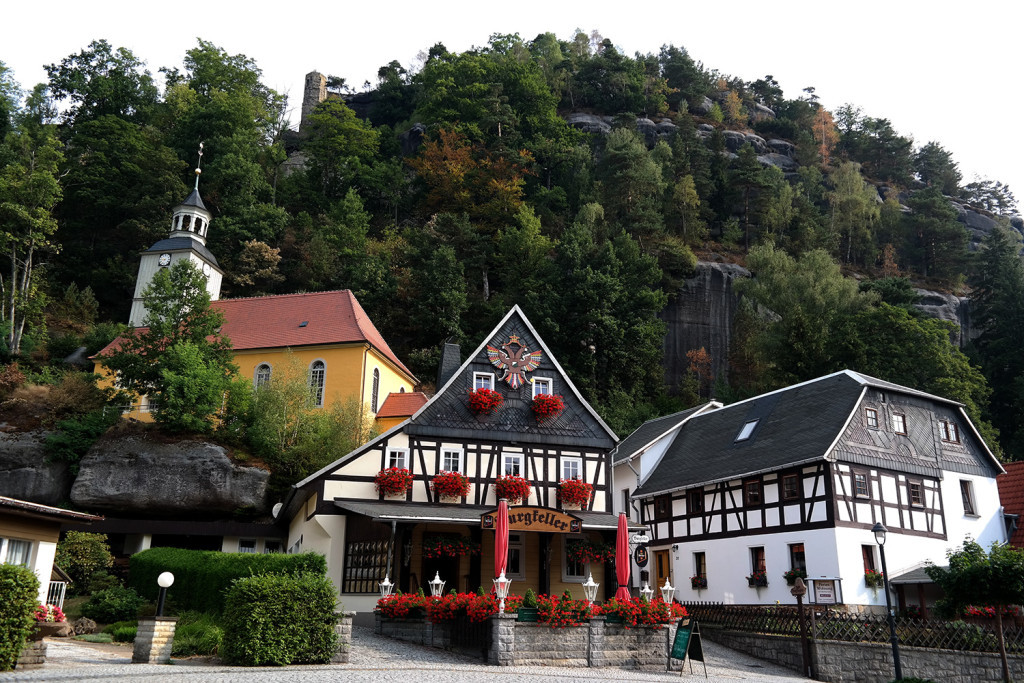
73,607
197,633
96,638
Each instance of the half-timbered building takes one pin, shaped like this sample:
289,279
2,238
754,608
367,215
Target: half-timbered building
794,480
410,538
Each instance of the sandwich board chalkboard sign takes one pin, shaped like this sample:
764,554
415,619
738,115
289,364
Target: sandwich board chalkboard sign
687,644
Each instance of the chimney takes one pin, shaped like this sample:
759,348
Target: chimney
451,359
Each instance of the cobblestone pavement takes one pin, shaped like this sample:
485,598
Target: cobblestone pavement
374,658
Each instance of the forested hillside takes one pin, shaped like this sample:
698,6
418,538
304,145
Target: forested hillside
495,199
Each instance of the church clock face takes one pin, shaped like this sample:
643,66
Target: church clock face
206,269
165,260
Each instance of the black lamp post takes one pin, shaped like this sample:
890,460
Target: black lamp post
165,581
879,531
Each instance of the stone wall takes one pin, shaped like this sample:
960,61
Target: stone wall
343,629
153,640
841,662
33,655
513,643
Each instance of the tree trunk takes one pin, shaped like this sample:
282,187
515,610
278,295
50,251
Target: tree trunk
1002,643
487,285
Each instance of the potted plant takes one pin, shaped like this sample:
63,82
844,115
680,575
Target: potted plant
575,493
873,579
448,546
699,582
484,401
49,622
512,487
528,611
545,406
393,481
581,551
450,485
792,574
758,579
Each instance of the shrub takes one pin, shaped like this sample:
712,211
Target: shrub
82,555
197,633
20,590
202,576
113,604
76,435
530,599
11,377
124,634
280,619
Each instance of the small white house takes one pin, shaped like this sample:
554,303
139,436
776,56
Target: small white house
794,480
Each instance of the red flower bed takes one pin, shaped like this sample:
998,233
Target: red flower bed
512,487
547,405
575,492
446,608
637,612
564,611
451,484
399,606
484,401
393,481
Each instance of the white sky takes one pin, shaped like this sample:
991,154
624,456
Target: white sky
939,70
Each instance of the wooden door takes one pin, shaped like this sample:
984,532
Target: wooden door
662,568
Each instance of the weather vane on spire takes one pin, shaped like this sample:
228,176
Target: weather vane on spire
198,164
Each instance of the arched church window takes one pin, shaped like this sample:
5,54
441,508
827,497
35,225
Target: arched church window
376,390
262,375
317,373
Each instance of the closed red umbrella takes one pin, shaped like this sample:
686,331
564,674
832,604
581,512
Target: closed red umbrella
622,559
501,553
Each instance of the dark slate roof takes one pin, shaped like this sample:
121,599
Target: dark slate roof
183,244
648,432
451,359
447,414
796,424
915,575
194,200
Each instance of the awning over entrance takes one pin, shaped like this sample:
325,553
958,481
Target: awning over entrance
915,575
387,511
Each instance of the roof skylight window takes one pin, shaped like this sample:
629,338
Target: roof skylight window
747,430
303,323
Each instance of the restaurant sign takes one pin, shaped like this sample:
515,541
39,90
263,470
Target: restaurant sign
523,518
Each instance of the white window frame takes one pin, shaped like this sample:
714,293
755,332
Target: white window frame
871,418
967,498
256,383
398,457
318,390
483,380
747,430
538,383
899,423
572,460
517,541
518,458
566,576
460,456
5,549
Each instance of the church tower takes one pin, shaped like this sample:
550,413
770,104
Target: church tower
190,224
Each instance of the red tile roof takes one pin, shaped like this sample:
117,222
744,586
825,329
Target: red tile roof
402,404
266,322
1011,495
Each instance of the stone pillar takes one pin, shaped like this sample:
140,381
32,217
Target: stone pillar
595,642
343,629
153,640
503,640
33,655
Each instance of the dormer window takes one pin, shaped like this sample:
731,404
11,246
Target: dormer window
871,418
899,423
747,430
949,431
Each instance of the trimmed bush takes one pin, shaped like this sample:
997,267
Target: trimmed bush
113,604
197,633
202,576
82,555
20,590
277,620
124,634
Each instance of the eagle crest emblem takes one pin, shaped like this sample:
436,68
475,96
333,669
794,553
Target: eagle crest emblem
515,359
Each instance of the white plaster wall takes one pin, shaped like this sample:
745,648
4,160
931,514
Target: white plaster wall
42,565
988,526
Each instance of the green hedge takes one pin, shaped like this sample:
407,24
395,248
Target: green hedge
277,620
113,604
19,589
202,576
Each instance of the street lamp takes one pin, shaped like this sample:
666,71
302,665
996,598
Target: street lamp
879,531
501,585
165,581
590,588
437,585
386,587
647,592
667,591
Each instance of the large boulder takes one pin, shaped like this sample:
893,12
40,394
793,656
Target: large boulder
758,143
782,147
412,139
734,140
779,160
141,475
589,123
702,108
949,307
25,472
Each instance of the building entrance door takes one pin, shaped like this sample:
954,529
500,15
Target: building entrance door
662,568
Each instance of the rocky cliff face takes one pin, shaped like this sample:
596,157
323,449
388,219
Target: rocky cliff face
701,315
25,473
136,475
